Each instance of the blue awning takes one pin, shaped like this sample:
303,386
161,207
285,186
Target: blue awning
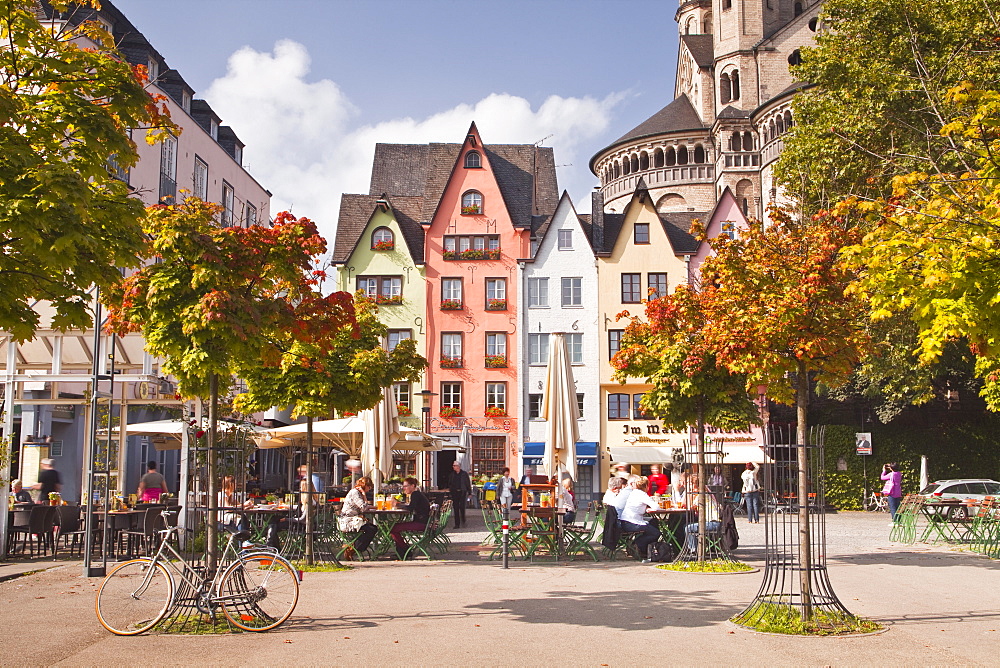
586,453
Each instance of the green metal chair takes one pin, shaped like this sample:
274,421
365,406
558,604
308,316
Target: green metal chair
422,541
579,537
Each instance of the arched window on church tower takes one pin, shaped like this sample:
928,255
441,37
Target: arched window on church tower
671,157
780,125
788,120
682,155
618,171
699,154
706,28
658,158
747,141
643,161
735,143
770,131
724,90
626,166
689,27
744,195
635,163
798,8
734,78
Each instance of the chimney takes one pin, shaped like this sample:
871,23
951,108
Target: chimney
597,219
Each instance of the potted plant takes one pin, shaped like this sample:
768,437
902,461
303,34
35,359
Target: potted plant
496,361
471,210
451,304
271,499
389,299
449,255
384,245
493,254
54,499
450,411
451,362
473,254
495,412
496,304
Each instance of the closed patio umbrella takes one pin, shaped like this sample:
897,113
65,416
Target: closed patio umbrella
381,432
560,409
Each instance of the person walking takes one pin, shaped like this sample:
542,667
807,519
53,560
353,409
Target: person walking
505,491
152,485
460,488
893,487
751,492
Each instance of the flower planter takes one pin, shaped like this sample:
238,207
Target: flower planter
496,361
495,412
389,300
471,210
451,363
449,412
471,254
383,246
496,305
451,305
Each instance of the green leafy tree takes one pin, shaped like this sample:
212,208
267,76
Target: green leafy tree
689,387
218,300
879,74
344,370
66,223
777,310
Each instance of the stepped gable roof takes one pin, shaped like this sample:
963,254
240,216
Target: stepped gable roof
731,112
676,224
357,210
702,48
525,173
677,116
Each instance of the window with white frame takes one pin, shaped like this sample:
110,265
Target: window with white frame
538,292
534,406
496,288
382,238
472,202
572,291
168,167
565,239
579,403
451,395
496,395
228,204
451,345
538,349
451,289
394,336
574,348
496,343
401,392
473,160
251,217
200,185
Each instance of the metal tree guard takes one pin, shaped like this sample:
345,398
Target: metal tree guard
783,584
713,539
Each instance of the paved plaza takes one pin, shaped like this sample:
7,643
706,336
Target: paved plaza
941,605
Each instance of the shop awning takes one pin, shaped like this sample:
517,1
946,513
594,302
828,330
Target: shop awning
741,453
586,453
642,454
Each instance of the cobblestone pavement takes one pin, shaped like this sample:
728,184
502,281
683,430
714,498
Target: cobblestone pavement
940,605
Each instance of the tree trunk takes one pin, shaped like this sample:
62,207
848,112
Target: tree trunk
702,486
801,438
212,518
309,487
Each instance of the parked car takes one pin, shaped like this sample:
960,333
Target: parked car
965,488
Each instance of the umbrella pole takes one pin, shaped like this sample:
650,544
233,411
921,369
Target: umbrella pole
309,488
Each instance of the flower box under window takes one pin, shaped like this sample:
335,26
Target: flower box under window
450,412
403,410
451,304
496,361
472,254
495,411
472,210
383,245
451,362
496,305
388,299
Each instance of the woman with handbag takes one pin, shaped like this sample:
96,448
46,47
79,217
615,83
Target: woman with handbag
751,492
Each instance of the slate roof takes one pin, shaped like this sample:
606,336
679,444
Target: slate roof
357,210
525,173
701,48
677,116
732,112
676,224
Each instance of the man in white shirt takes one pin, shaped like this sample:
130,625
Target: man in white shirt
631,517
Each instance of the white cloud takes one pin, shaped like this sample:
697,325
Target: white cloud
303,144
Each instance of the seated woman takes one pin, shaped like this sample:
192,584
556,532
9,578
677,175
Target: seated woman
632,517
227,499
352,519
567,500
418,504
307,497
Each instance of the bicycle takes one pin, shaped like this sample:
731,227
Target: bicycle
877,502
257,590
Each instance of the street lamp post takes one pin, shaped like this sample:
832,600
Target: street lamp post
426,395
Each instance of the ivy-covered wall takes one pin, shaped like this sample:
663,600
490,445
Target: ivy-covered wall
966,450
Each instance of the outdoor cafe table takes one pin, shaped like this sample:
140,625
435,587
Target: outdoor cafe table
385,520
537,522
950,521
671,522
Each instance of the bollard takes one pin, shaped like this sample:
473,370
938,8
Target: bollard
506,541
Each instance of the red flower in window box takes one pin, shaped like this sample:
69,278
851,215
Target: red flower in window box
495,412
403,410
389,299
450,412
384,245
451,362
496,305
472,210
451,304
496,361
449,255
493,254
348,414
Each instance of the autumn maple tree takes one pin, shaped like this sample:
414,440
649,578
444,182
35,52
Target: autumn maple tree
777,310
66,111
668,350
346,369
218,301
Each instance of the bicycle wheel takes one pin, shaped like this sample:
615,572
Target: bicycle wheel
259,591
133,598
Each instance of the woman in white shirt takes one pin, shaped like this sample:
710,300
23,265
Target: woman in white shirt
632,517
567,501
505,491
751,492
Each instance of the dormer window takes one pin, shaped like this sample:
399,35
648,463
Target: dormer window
153,69
383,239
186,101
472,203
214,130
473,160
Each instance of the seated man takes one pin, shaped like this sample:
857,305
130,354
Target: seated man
21,495
632,516
307,498
712,523
417,504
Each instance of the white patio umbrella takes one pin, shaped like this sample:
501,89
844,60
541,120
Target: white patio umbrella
345,434
560,409
380,435
464,447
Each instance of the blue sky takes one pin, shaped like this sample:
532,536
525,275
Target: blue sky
311,85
